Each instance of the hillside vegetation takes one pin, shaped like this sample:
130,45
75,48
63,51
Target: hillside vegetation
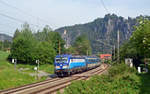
138,47
120,80
102,32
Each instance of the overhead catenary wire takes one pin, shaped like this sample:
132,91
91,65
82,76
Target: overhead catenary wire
12,18
22,11
16,19
113,47
103,4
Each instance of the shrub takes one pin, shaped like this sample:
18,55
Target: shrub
121,79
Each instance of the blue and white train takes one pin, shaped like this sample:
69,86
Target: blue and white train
66,65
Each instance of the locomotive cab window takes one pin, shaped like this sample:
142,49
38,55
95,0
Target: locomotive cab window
61,60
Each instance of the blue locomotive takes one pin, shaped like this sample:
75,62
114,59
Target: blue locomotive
66,65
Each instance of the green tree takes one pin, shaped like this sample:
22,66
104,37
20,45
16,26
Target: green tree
1,45
28,47
127,50
71,50
6,44
16,34
45,53
51,37
42,36
82,45
24,46
139,44
141,38
57,42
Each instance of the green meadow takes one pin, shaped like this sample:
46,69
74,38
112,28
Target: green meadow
11,77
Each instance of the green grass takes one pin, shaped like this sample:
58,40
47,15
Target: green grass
11,77
3,55
120,80
45,67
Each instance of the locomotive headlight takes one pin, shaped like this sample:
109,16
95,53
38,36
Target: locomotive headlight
57,67
65,66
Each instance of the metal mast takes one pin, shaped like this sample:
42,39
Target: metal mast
118,47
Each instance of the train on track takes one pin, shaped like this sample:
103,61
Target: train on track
66,65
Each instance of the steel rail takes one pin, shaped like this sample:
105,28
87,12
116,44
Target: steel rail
53,85
61,86
8,91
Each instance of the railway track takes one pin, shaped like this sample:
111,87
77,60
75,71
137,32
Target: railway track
53,85
12,90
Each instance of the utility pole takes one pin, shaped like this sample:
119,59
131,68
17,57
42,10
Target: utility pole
59,47
111,54
118,47
87,52
15,63
114,52
37,62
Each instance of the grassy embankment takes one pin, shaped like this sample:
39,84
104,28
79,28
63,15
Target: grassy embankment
120,80
9,77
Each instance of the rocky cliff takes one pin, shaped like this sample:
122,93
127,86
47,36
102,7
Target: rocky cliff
102,32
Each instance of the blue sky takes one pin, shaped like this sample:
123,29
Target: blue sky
58,13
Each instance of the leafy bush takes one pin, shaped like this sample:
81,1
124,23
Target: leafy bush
24,47
120,69
121,79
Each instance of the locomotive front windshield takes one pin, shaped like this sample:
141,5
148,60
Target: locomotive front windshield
61,60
